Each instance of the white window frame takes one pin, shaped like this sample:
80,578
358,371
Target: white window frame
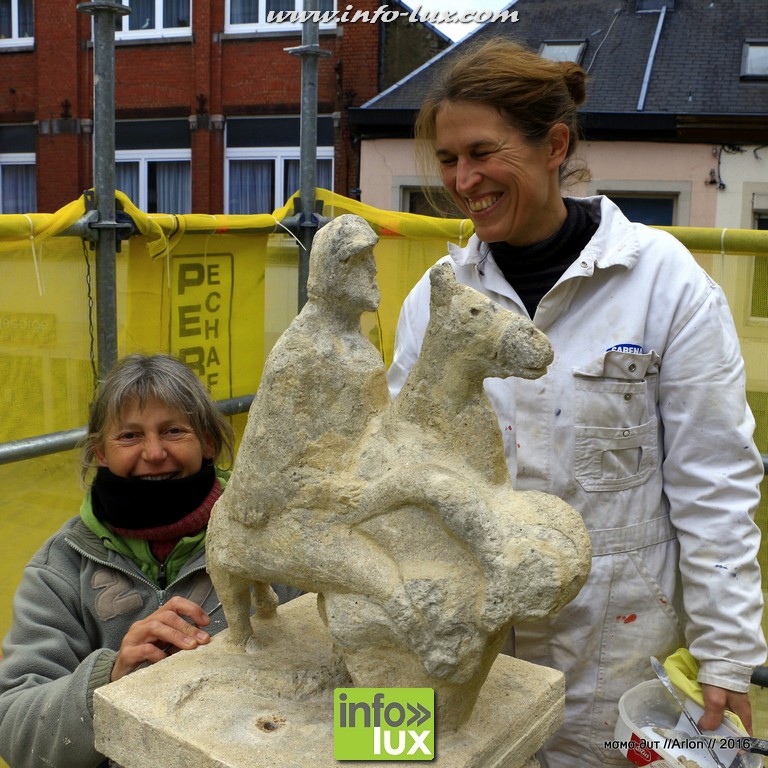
14,158
279,155
262,25
15,40
569,50
759,207
158,32
144,157
749,67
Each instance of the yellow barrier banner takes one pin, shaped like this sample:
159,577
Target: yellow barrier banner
217,291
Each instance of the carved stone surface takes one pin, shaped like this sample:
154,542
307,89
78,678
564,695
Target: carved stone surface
403,519
218,708
401,516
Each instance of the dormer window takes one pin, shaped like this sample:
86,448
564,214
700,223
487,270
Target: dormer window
754,60
563,50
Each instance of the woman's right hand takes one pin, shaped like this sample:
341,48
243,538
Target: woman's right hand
173,627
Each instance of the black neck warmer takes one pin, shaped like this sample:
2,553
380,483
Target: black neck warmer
127,502
533,269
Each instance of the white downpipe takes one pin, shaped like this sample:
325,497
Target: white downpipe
651,56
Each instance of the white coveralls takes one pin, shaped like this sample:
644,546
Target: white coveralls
641,425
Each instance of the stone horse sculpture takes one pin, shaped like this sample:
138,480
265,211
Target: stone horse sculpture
401,516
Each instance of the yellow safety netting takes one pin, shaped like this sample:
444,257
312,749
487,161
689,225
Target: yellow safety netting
217,291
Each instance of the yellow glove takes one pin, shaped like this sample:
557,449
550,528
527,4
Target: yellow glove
683,671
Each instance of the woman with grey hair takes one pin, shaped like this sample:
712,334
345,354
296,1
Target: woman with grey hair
124,584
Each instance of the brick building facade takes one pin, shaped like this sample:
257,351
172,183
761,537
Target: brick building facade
207,102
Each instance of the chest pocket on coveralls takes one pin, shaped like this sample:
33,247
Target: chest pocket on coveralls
616,428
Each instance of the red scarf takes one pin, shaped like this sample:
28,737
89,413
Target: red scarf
164,538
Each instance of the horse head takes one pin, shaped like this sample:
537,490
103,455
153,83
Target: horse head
493,341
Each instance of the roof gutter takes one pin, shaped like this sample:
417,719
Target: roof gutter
651,57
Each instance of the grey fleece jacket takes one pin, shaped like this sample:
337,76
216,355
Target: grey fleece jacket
74,605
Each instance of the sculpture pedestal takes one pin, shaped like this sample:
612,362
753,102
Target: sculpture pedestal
273,706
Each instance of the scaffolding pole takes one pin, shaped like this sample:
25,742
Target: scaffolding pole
307,221
105,223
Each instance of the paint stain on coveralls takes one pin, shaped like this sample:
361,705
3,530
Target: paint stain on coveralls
627,619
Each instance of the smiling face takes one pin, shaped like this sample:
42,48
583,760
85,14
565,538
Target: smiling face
506,184
152,443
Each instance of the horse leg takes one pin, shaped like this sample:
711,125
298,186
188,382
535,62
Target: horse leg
264,599
234,593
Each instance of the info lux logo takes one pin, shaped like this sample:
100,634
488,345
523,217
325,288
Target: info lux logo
384,724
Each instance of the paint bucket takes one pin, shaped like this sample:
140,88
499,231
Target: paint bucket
652,731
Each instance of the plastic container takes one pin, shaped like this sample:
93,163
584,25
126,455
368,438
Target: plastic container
652,731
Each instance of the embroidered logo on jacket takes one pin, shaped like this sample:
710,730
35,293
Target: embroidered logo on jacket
633,349
116,594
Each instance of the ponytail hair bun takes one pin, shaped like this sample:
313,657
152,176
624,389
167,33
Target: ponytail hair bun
576,81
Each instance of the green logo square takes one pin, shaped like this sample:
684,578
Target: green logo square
384,724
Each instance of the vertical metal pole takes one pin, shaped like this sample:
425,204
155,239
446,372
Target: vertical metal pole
308,140
104,14
309,51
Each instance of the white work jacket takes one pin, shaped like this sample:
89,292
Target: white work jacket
641,424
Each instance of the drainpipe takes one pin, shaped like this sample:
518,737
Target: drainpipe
651,56
105,224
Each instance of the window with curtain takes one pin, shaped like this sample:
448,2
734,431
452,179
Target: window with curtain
169,187
17,185
252,15
127,181
263,181
251,186
292,178
17,23
154,18
153,184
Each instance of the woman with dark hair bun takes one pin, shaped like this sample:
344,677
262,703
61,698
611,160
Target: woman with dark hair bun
641,422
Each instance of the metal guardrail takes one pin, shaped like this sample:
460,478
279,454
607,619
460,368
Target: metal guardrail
57,442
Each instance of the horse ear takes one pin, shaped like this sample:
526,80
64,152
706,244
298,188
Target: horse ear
443,282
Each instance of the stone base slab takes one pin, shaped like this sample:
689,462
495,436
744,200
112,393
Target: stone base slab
272,707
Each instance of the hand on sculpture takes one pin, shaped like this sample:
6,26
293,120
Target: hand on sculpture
253,507
173,627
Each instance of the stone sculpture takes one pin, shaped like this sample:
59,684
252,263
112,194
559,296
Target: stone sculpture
321,385
401,516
